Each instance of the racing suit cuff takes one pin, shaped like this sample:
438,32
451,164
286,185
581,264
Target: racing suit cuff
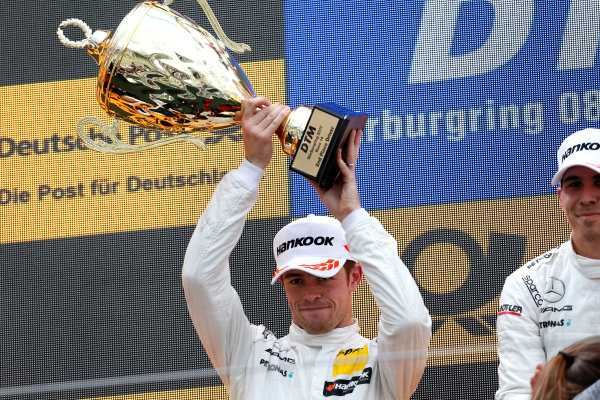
248,174
355,217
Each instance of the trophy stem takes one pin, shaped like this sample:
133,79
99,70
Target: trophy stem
291,129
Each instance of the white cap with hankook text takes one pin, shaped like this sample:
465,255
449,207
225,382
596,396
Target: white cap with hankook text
314,244
581,148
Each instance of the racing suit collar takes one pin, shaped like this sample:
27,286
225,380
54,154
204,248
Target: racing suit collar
589,267
334,338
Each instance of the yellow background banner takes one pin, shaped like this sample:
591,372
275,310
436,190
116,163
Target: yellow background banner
216,392
51,186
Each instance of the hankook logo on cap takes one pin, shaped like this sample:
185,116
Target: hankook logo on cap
555,290
580,147
305,241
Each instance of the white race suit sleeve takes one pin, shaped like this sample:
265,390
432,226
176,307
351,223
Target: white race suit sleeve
405,324
213,304
520,346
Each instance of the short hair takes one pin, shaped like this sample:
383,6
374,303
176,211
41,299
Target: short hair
348,266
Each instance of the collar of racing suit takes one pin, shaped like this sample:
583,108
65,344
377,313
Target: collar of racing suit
334,338
589,267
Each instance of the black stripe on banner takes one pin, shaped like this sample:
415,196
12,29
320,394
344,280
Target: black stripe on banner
32,53
106,315
463,381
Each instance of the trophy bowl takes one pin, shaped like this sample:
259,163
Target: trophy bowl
160,70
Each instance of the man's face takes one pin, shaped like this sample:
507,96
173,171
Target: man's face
319,305
579,197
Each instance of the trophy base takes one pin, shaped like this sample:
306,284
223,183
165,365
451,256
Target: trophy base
326,131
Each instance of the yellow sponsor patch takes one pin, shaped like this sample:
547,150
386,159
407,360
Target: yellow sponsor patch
349,361
52,186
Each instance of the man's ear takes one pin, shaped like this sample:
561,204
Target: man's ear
355,277
559,192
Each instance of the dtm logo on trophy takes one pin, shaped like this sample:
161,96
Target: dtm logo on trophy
162,71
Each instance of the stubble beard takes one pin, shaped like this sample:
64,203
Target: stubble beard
586,233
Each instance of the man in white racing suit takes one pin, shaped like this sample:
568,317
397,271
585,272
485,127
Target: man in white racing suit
554,300
323,355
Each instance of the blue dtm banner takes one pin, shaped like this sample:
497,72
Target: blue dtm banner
467,100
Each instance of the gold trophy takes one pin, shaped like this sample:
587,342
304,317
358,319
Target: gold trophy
162,71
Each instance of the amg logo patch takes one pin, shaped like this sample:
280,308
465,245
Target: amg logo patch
556,309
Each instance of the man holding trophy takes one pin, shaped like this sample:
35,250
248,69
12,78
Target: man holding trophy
159,70
320,262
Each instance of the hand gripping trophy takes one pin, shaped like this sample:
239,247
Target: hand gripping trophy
160,70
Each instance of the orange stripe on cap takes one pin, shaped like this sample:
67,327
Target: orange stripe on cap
278,271
324,266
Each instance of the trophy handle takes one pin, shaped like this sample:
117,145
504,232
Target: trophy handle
233,46
87,32
115,146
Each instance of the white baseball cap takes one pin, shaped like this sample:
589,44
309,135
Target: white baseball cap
314,244
581,148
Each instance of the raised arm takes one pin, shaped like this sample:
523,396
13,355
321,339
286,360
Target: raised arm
405,325
214,306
